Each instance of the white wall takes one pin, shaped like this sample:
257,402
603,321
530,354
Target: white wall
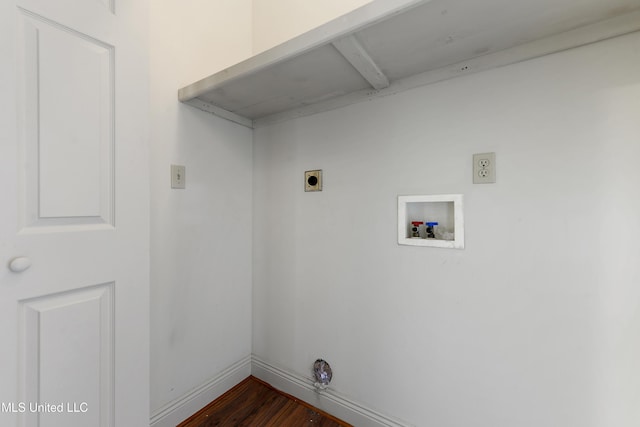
276,21
200,236
535,323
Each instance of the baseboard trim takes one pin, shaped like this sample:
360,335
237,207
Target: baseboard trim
183,407
327,400
289,382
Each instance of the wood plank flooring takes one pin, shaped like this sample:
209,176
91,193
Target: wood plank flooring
255,403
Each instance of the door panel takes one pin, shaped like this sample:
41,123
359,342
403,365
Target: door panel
67,100
67,348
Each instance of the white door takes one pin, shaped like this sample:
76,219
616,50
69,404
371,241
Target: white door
74,206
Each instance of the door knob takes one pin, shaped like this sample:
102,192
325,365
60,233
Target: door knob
19,264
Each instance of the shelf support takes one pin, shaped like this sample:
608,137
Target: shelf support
357,56
220,112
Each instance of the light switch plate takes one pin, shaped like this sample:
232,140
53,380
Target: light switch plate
178,177
313,180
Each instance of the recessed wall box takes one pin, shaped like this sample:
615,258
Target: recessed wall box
443,209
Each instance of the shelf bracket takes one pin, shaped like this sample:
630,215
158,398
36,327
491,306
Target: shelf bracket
357,56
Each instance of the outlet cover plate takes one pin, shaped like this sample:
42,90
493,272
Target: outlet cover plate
313,180
178,177
484,168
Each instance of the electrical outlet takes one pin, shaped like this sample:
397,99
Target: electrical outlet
178,177
484,168
313,180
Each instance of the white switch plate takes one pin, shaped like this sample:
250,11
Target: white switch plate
484,168
178,177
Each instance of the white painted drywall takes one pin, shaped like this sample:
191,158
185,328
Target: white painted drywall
537,321
276,21
200,236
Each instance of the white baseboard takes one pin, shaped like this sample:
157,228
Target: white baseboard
291,383
327,400
182,408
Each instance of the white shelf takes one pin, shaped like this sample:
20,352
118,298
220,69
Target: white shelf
388,46
445,209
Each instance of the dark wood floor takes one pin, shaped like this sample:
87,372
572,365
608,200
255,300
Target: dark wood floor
256,403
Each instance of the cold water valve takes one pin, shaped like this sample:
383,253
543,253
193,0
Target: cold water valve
431,229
